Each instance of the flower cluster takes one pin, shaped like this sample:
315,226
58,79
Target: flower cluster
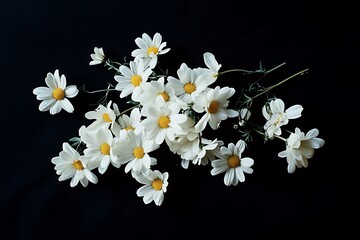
173,111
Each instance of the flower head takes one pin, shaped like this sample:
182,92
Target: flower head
155,185
69,164
232,163
300,148
149,49
98,56
214,103
55,96
131,79
276,116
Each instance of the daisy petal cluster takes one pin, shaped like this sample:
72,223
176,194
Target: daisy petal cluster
173,113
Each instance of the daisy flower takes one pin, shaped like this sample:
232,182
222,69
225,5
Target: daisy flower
214,103
98,56
129,123
102,116
190,83
55,96
99,149
131,79
149,49
134,151
154,90
232,163
155,185
300,148
213,67
276,116
69,164
162,122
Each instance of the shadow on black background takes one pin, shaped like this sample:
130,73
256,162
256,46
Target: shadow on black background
318,202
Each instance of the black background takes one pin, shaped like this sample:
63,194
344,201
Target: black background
321,201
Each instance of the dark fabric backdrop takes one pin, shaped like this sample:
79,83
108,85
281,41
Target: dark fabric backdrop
321,201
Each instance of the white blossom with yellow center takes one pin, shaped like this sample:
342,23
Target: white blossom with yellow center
102,116
131,78
149,49
69,164
134,151
155,185
55,96
190,83
99,149
231,162
129,123
214,103
163,122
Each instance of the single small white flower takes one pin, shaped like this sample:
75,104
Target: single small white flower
214,103
300,148
190,84
102,116
153,90
155,185
129,123
131,79
244,116
134,151
213,67
99,149
55,96
162,122
69,164
276,116
149,49
98,56
232,163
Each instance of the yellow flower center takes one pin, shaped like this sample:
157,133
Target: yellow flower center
139,152
157,184
164,121
152,49
129,128
165,96
106,117
136,80
58,94
234,161
105,149
189,88
78,165
213,107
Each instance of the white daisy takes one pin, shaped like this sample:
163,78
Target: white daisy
190,84
129,123
97,57
163,122
149,49
55,96
134,151
276,116
208,150
214,103
155,185
153,90
300,148
102,116
131,79
69,164
232,163
99,149
213,67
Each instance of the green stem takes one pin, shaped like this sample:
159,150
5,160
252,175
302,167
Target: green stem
281,82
